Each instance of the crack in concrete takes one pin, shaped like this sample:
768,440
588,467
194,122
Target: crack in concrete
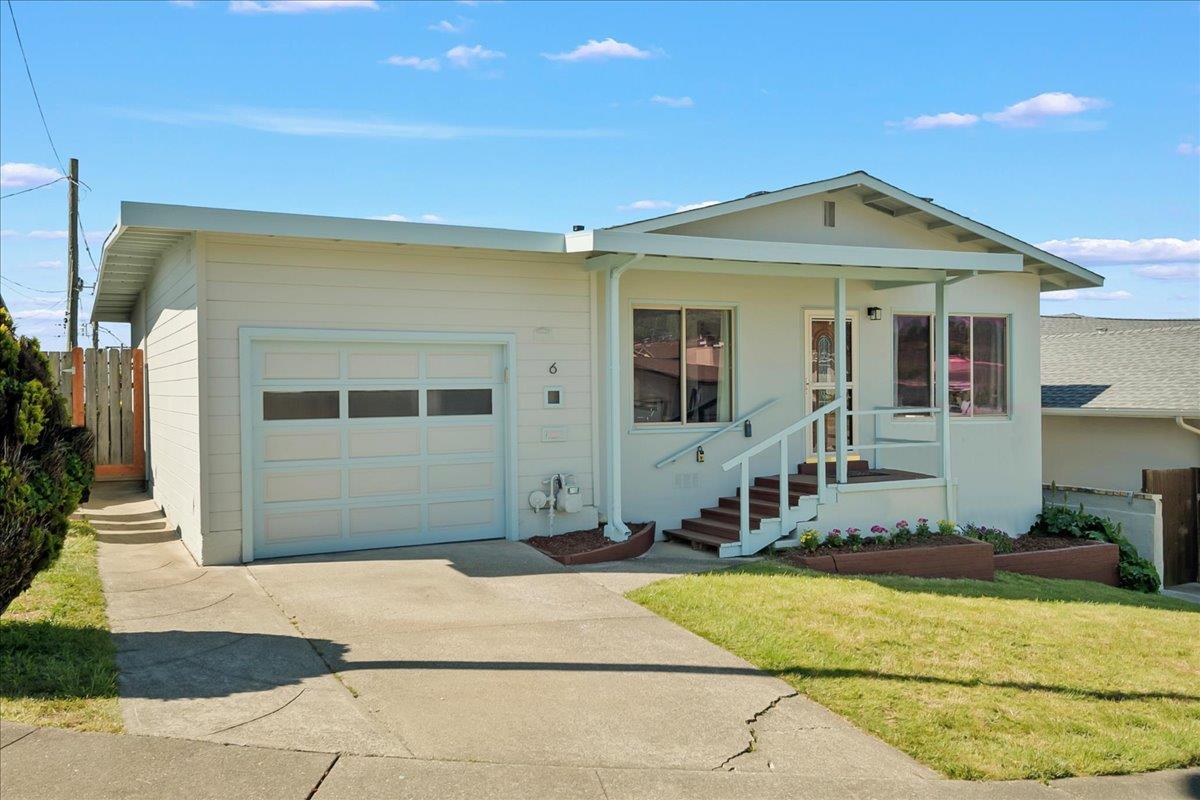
174,613
752,745
164,586
293,699
324,775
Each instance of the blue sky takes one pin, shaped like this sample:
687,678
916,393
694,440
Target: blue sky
1075,124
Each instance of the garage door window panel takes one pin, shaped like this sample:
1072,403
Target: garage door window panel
371,403
459,402
279,406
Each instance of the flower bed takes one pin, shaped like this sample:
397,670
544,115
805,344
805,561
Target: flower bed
1060,557
902,550
592,546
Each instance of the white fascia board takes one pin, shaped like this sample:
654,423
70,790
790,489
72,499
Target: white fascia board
1148,413
659,244
268,223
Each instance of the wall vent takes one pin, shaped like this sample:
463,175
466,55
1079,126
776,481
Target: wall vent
830,210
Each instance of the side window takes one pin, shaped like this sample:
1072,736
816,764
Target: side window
978,363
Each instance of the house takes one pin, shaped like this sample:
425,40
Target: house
319,384
1118,396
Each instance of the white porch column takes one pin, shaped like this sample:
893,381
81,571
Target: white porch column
839,366
941,380
615,528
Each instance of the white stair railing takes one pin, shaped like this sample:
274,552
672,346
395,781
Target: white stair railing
785,467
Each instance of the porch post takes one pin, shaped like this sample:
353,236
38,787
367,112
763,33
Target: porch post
615,528
839,367
941,381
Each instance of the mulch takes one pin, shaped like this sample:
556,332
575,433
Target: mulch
1029,542
575,542
871,545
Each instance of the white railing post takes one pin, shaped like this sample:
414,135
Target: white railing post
839,366
785,499
941,338
820,458
744,498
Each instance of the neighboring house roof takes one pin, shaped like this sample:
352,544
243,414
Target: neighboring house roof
145,231
1130,367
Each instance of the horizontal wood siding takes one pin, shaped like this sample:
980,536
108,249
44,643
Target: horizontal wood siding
362,287
169,328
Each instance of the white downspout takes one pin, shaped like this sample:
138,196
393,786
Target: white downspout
941,338
615,529
1191,429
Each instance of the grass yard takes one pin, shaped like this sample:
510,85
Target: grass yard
1021,678
57,660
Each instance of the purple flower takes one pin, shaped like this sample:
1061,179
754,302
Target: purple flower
922,520
852,531
902,523
878,529
835,531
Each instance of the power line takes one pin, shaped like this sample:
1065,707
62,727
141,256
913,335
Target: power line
33,288
33,87
34,188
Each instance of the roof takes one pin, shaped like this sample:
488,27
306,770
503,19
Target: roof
1057,272
146,231
1133,367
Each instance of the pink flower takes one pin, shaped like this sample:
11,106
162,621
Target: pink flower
922,520
835,531
902,523
878,529
852,531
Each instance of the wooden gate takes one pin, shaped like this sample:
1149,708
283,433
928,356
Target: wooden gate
1180,520
104,390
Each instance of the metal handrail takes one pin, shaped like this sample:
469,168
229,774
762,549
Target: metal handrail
671,459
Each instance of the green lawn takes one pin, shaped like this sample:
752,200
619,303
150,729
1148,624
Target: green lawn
1021,678
57,661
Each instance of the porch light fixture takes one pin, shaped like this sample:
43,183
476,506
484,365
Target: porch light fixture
874,313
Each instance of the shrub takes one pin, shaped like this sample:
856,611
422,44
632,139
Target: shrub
1136,572
1000,541
854,539
902,534
923,530
45,463
834,538
946,527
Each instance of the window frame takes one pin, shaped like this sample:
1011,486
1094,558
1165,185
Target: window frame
682,307
1008,364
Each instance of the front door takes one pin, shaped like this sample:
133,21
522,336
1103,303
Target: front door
821,376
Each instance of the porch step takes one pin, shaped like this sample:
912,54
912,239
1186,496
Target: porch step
853,465
771,495
803,484
733,515
727,531
696,539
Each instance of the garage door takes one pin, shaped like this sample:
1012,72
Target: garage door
360,445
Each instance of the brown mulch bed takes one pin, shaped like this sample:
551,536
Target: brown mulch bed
871,545
575,542
1029,542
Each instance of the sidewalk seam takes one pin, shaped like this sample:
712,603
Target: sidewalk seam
324,775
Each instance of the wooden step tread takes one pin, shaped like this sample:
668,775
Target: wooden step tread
728,531
696,537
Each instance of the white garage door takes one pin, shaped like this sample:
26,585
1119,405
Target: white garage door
360,445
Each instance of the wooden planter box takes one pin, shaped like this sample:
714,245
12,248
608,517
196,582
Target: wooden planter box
639,541
971,559
1093,562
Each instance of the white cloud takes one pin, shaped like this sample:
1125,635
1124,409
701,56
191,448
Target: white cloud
673,102
1086,294
602,50
416,62
694,206
39,313
292,122
1165,250
446,26
465,57
392,218
1169,272
646,205
44,235
184,3
432,218
947,119
298,6
19,175
49,264
1036,110
1188,149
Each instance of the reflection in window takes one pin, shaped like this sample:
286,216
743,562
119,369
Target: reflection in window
914,361
823,351
458,402
819,398
709,388
383,403
300,405
960,365
656,363
990,365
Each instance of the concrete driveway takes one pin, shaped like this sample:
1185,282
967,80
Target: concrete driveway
480,652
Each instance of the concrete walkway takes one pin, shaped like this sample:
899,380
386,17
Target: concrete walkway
46,764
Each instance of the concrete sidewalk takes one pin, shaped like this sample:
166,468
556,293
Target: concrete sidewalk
47,764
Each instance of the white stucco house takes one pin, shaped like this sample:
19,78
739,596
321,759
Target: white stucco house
319,384
1118,396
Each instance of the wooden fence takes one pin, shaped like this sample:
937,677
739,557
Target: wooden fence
1180,489
104,390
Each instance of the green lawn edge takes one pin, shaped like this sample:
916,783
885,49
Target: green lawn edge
1020,678
57,658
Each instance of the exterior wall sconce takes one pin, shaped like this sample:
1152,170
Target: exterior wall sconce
874,313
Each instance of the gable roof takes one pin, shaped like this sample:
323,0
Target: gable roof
1055,272
1145,367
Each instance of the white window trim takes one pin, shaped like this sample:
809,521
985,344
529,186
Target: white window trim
956,416
683,426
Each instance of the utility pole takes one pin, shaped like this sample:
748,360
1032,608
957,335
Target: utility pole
73,254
